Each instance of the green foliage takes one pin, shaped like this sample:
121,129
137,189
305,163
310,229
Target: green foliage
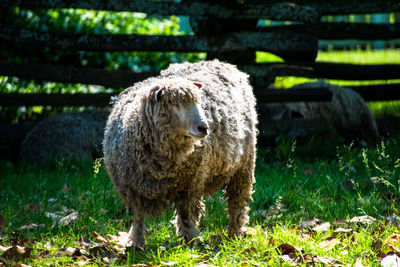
83,22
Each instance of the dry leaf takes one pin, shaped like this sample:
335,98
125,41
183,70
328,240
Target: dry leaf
329,261
64,221
358,263
329,243
120,241
308,224
324,260
365,220
52,215
393,238
31,226
170,263
392,248
323,227
292,259
17,253
342,231
391,260
3,249
99,237
250,231
286,249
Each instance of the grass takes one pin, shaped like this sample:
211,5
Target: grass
292,187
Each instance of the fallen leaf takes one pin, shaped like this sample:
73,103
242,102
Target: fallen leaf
364,220
394,237
17,253
52,215
3,249
31,226
120,241
329,261
64,221
99,237
342,231
329,243
250,231
286,249
323,227
308,224
292,259
392,248
25,242
391,260
170,263
324,260
358,263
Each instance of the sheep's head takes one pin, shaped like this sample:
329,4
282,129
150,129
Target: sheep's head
176,108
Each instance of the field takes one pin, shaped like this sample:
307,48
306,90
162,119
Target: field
307,210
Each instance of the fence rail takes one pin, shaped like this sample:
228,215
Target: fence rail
103,99
224,29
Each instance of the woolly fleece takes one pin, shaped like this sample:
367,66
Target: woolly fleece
154,164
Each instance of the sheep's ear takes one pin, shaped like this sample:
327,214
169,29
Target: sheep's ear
158,95
198,85
155,93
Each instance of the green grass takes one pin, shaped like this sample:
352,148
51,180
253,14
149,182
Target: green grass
292,186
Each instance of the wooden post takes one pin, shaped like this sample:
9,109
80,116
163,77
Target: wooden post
211,26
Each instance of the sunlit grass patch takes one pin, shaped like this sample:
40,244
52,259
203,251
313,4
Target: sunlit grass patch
302,211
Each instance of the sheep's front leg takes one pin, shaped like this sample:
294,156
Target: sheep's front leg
185,221
238,195
136,233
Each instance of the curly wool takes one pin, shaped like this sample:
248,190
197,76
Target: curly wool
151,164
347,115
64,136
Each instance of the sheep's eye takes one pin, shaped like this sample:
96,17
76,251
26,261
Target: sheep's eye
158,95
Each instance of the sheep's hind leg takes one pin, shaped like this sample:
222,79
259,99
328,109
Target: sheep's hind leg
238,195
185,220
136,233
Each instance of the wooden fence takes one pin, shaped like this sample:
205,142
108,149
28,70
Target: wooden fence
224,29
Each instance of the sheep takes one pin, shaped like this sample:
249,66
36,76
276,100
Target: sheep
180,137
346,115
64,136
